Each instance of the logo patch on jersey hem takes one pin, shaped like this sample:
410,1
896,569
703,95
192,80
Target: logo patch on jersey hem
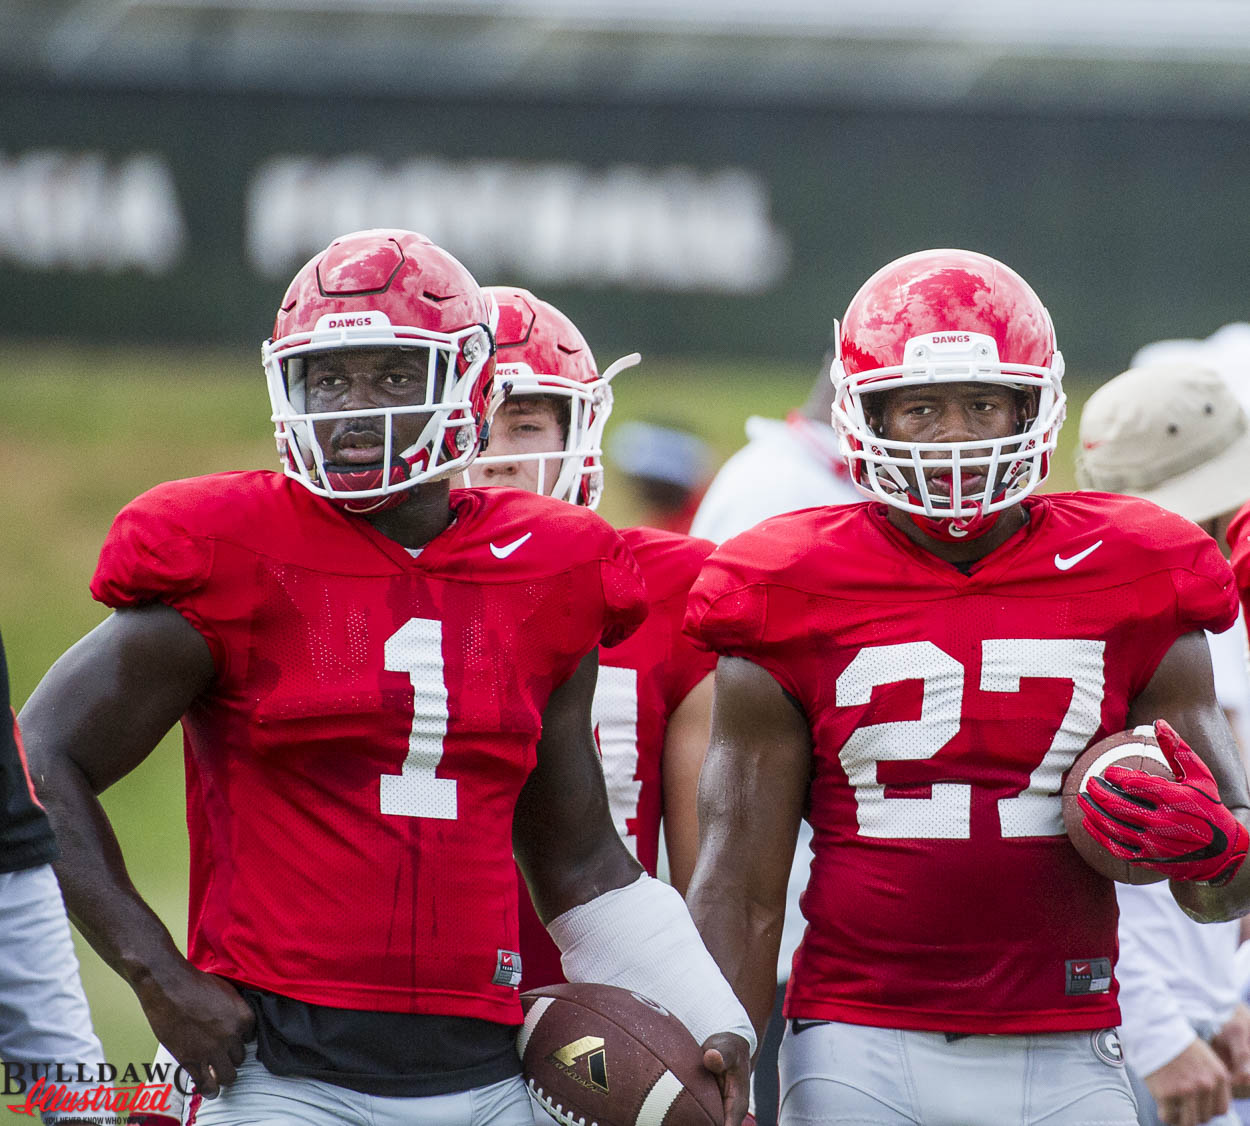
1087,975
797,1026
507,969
1107,1047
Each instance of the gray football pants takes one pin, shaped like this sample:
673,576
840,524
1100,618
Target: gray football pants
260,1098
855,1075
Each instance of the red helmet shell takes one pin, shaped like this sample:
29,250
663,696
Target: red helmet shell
400,273
535,332
385,288
940,291
540,351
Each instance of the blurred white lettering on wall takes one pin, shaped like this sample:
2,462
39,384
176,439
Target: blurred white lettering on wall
87,211
675,228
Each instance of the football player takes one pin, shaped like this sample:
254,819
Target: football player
653,701
915,675
385,689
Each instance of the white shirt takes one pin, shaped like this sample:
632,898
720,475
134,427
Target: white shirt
784,467
1175,974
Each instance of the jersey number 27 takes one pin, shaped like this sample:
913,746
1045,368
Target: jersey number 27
1037,811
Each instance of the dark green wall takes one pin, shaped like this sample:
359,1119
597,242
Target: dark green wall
1131,229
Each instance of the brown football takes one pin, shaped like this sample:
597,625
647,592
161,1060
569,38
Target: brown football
1135,750
597,1055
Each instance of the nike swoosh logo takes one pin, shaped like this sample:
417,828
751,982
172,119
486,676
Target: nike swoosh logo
508,548
797,1026
1072,560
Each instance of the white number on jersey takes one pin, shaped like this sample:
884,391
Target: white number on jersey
615,715
417,649
1037,810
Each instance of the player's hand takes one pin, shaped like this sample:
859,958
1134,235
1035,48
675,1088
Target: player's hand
1180,828
1232,1045
1192,1088
728,1056
202,1020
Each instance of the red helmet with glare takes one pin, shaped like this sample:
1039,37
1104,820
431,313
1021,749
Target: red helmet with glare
383,289
541,352
948,316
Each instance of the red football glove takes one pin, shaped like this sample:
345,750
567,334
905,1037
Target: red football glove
1177,827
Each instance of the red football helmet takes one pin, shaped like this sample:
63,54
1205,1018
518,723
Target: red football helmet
384,289
541,352
948,316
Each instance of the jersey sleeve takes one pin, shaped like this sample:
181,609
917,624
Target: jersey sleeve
728,614
725,612
688,663
624,595
1239,542
1206,591
149,555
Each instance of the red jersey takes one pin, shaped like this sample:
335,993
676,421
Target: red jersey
353,769
945,709
1239,541
641,683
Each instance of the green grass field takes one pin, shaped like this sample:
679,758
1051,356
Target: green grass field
81,433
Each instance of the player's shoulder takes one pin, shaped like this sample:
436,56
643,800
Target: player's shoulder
669,561
519,526
213,501
795,550
790,545
1132,528
255,508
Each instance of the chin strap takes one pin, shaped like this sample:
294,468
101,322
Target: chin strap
956,529
345,479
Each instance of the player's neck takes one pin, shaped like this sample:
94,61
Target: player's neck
419,519
963,551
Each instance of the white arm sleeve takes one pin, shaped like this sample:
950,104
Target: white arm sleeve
641,937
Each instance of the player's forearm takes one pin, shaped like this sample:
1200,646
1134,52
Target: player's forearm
743,936
99,895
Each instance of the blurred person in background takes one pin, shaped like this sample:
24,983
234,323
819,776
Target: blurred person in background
914,675
385,690
1226,350
1172,432
44,1019
653,700
666,469
785,466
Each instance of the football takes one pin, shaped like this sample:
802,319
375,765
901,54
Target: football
597,1055
1135,750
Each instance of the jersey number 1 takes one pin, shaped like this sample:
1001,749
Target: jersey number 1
416,648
